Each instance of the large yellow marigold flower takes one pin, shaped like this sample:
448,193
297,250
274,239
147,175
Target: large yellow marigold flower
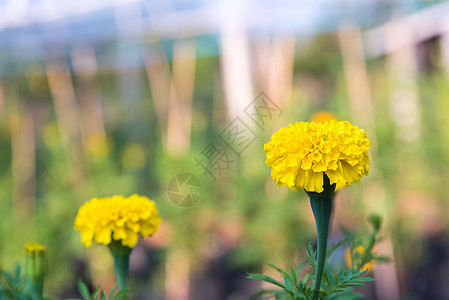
299,154
118,218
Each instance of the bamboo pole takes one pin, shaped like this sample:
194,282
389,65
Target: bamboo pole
262,63
235,62
280,75
2,98
23,147
362,111
181,97
159,79
67,113
404,102
177,275
356,79
92,127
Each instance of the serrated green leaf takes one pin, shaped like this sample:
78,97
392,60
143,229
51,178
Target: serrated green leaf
265,278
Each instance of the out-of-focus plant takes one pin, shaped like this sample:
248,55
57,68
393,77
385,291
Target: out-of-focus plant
13,285
360,254
35,256
116,222
98,293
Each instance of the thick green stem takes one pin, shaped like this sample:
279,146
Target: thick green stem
121,262
121,265
321,204
36,289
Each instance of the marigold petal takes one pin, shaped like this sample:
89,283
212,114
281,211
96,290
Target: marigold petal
315,182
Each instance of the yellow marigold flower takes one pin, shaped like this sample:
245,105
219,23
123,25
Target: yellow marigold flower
117,217
300,153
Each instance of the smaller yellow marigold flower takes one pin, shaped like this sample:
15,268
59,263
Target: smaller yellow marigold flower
301,153
117,217
35,261
322,116
357,254
34,248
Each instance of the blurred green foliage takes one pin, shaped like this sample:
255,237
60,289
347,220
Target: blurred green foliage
243,212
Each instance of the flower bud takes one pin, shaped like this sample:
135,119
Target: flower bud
35,256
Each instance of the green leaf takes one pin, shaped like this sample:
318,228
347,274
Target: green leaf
381,258
329,277
95,293
113,290
287,279
300,267
103,296
266,278
363,279
294,277
82,288
123,294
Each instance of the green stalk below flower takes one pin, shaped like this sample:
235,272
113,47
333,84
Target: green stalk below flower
121,265
121,262
36,289
321,204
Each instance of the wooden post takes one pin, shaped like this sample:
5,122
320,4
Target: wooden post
404,102
356,78
2,98
159,79
280,78
235,63
23,150
181,96
91,111
67,113
361,104
177,275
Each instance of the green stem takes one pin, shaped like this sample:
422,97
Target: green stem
321,204
121,265
121,262
36,288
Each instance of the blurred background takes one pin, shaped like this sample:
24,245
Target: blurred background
118,97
